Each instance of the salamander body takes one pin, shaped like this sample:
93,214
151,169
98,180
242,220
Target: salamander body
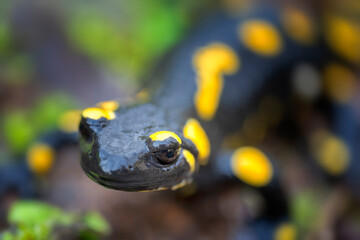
232,76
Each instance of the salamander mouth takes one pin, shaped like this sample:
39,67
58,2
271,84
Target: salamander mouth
130,184
113,184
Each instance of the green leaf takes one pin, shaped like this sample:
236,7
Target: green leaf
97,223
18,131
32,212
37,220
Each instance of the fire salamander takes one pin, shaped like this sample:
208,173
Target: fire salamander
234,81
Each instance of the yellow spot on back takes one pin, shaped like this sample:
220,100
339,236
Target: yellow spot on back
331,152
299,26
261,37
208,95
344,37
69,121
194,131
210,63
216,58
339,83
251,165
108,105
190,159
286,231
162,135
97,113
40,158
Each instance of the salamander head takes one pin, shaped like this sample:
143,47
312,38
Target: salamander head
135,149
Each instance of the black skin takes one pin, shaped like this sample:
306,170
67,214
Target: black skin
127,159
117,153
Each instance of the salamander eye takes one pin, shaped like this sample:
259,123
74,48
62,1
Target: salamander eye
167,156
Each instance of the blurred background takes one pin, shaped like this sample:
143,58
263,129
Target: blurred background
60,56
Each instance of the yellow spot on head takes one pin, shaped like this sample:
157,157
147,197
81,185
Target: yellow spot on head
190,159
97,113
344,37
251,165
210,63
108,105
162,135
261,37
339,83
40,158
331,152
286,231
69,121
299,26
194,131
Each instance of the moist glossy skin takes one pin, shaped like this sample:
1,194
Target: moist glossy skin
120,157
118,152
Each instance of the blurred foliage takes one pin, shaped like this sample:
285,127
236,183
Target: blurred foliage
304,209
96,222
18,69
126,36
21,127
17,131
4,37
37,220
